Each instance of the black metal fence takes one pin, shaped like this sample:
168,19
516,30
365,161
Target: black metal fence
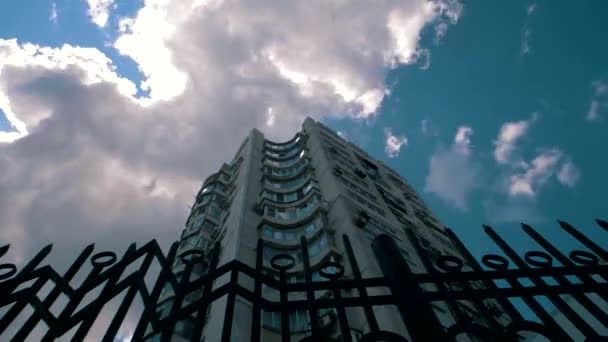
581,274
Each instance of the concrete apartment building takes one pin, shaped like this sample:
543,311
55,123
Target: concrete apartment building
315,185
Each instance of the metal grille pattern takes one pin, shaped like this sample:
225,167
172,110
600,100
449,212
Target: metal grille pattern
579,273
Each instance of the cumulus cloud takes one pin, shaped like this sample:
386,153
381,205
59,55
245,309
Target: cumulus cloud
452,174
539,171
54,16
526,32
568,174
99,11
510,133
393,143
88,161
526,178
599,100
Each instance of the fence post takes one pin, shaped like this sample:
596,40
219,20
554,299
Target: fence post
421,322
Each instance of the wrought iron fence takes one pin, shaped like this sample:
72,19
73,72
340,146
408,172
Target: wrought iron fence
579,274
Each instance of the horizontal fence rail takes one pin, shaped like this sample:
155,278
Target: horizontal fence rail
489,287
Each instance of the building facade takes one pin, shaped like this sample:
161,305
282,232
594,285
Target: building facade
319,186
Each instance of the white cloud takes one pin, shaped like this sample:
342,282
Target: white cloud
394,143
462,140
525,48
54,16
95,68
526,32
88,157
599,87
598,100
540,170
99,11
509,134
527,178
452,174
568,174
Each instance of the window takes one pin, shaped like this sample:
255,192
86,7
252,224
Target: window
293,234
360,173
289,197
299,321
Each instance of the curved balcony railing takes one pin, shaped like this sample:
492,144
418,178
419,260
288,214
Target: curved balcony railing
286,145
289,197
292,183
286,162
287,172
292,213
292,235
282,154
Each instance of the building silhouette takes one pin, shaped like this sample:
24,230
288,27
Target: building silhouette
316,185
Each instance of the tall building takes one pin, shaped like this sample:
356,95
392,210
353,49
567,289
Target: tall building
316,185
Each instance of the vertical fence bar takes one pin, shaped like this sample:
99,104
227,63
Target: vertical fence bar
230,302
310,293
168,324
369,313
417,314
118,319
75,299
207,286
530,301
256,322
481,307
342,319
165,275
506,305
285,333
430,268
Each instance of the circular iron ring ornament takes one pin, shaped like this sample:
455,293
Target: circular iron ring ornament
282,262
98,261
381,336
326,270
495,261
538,259
449,263
584,258
7,271
192,256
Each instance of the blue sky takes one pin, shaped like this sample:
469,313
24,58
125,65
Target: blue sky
480,78
535,69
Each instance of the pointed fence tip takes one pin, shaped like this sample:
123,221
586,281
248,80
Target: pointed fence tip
4,249
602,223
47,248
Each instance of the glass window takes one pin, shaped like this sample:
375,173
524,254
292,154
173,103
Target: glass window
267,232
314,249
214,212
